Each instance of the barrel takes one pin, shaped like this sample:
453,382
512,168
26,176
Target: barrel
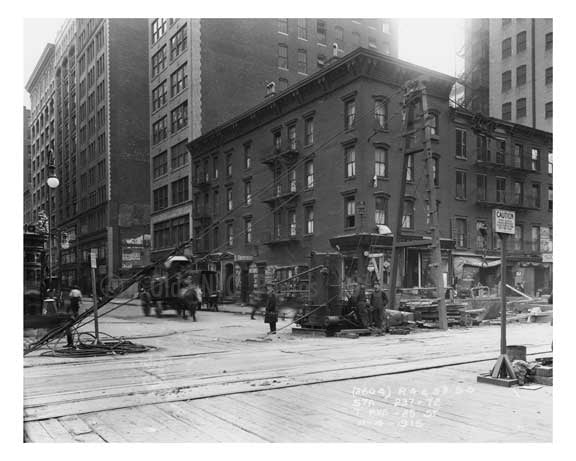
516,353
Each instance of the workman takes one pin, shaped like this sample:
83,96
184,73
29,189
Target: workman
271,315
378,303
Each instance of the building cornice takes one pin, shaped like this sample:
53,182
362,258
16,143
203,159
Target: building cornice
44,60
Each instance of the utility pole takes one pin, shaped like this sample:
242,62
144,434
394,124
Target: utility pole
434,220
409,90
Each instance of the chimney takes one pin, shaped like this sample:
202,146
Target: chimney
270,89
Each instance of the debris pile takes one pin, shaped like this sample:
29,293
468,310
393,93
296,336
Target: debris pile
425,313
538,371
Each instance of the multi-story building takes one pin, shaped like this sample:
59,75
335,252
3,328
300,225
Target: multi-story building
42,134
318,168
510,65
27,154
205,71
99,83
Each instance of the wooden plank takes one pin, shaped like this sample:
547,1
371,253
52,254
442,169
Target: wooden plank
99,427
34,432
75,425
58,432
178,411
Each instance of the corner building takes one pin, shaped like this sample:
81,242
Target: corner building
318,168
205,71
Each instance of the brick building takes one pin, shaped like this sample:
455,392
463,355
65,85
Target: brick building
318,168
27,167
205,71
99,134
509,65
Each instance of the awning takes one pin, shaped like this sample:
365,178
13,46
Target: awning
177,258
473,261
483,264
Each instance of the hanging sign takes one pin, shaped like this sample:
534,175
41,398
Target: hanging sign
504,221
93,254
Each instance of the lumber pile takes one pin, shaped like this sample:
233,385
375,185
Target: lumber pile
426,311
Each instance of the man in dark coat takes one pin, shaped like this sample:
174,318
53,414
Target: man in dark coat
271,315
378,303
363,311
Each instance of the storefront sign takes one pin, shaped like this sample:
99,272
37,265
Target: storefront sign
504,221
243,258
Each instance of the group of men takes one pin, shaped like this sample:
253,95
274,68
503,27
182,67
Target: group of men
370,313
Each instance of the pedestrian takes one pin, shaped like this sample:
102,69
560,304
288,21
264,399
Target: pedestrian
75,300
378,301
271,315
362,306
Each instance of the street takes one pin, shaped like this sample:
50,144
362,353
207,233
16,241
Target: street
222,380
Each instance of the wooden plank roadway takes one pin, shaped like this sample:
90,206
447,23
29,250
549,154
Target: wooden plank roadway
360,410
59,388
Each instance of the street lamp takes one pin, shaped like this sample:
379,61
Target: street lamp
53,182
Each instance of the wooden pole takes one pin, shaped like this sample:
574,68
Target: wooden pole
399,210
94,295
503,294
434,219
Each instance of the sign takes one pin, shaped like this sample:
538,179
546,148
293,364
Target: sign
504,221
243,258
371,267
547,257
93,255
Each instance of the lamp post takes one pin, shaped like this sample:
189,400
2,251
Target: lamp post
53,182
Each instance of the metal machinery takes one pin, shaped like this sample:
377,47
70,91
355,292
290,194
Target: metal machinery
327,309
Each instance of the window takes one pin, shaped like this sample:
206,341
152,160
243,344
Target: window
229,202
248,193
548,41
230,234
535,240
461,185
309,217
302,61
308,131
350,162
521,75
180,191
550,198
481,187
160,165
507,111
178,42
548,110
309,169
549,76
461,236
179,117
159,131
339,35
410,168
302,29
518,237
247,155
350,114
517,155
349,212
283,25
506,48
381,210
229,165
433,124
179,155
356,39
482,152
292,181
521,108
160,198
372,42
215,167
381,113
282,56
159,96
216,237
248,231
159,61
518,193
521,42
501,190
277,140
536,195
535,159
408,215
178,80
215,203
381,162
162,234
436,170
321,32
461,143
549,162
158,29
292,137
292,222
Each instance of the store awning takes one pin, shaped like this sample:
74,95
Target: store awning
483,264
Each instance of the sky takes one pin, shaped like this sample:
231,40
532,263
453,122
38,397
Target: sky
431,43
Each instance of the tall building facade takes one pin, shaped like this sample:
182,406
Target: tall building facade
27,167
99,127
516,57
318,168
205,71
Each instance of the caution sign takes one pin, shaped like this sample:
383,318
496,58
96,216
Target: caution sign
504,221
